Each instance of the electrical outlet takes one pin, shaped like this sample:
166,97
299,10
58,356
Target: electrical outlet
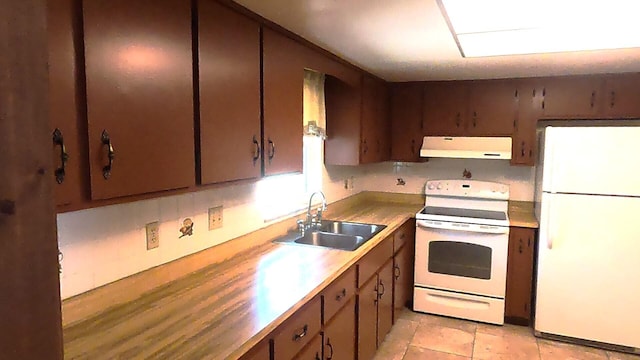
153,235
215,217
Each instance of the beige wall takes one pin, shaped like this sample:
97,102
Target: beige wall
105,244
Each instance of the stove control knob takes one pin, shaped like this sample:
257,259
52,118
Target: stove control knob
431,186
439,186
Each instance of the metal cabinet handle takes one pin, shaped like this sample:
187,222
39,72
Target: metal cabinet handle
330,356
341,295
106,140
58,139
475,117
458,120
383,290
365,147
272,150
396,271
297,337
256,153
593,98
522,149
413,146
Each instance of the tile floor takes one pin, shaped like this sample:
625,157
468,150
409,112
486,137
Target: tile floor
418,336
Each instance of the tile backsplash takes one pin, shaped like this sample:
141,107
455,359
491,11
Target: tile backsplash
102,245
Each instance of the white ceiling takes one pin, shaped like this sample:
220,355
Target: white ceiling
405,40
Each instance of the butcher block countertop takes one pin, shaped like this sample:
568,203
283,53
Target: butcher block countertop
521,214
219,303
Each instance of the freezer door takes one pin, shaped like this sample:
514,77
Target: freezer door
592,160
588,282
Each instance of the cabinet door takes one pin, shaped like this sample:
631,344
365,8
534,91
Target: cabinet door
493,107
370,144
529,111
403,278
343,104
229,100
368,319
445,108
572,97
313,351
283,76
519,275
385,301
139,74
339,334
406,121
71,174
383,135
621,99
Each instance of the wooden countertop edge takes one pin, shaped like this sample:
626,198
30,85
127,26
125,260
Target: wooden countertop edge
521,214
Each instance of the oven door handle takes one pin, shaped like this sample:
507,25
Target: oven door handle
453,226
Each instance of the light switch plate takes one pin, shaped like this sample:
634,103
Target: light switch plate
215,217
153,235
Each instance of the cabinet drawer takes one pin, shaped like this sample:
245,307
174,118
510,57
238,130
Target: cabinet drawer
374,259
338,293
313,351
297,331
403,235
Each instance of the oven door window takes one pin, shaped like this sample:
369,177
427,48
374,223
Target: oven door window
460,259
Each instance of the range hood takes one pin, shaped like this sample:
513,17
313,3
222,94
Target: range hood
466,147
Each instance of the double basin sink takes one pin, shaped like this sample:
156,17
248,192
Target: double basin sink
341,235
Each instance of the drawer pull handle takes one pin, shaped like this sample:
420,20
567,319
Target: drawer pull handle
341,295
297,337
256,153
330,356
396,271
272,150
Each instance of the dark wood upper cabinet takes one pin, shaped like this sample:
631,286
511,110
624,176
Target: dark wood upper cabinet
374,123
343,107
445,108
66,101
139,74
283,74
493,107
572,97
621,96
530,98
229,78
406,121
519,275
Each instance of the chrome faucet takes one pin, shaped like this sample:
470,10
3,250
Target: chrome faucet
313,221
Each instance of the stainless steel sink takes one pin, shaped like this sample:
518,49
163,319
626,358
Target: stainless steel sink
341,235
334,241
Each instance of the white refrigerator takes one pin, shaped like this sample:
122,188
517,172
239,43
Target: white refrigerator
588,205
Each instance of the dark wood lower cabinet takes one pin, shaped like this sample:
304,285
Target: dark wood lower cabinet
385,301
519,275
368,318
403,278
339,334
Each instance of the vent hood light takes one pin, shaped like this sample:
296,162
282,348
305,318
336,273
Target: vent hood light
512,27
466,147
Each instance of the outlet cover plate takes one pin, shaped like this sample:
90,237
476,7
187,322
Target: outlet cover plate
153,235
215,217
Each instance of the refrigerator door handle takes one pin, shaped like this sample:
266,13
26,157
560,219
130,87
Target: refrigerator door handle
549,232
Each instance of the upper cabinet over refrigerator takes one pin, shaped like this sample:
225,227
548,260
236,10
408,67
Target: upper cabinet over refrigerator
591,160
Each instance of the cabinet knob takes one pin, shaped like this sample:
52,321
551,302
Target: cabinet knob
58,139
106,140
342,294
396,272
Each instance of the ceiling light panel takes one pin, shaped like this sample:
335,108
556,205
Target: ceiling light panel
503,27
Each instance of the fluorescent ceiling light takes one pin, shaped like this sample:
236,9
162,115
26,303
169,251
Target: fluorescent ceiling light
514,27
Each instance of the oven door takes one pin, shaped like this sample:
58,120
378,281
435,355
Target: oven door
462,257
